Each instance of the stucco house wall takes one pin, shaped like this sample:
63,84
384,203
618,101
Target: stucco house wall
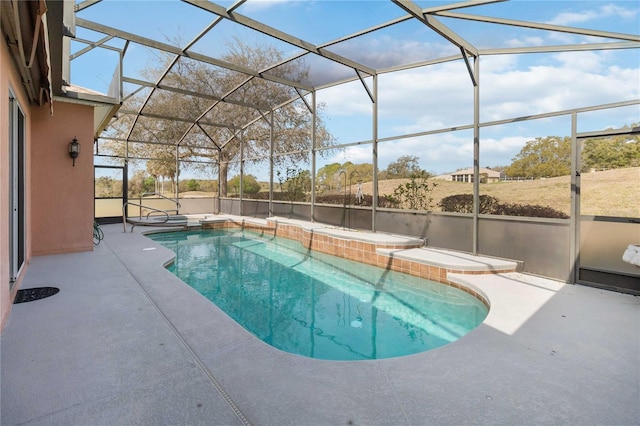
59,197
62,194
10,81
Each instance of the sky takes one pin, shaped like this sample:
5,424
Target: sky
416,100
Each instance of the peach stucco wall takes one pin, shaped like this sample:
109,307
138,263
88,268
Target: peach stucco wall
9,80
61,195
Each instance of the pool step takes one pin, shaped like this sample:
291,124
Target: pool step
451,260
439,264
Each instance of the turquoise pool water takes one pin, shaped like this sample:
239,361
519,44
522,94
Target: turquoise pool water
317,305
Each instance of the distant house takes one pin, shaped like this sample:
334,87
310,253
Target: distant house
486,175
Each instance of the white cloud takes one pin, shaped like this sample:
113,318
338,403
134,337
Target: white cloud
587,62
358,154
438,95
499,63
572,18
525,42
350,99
564,81
614,10
438,153
509,145
604,11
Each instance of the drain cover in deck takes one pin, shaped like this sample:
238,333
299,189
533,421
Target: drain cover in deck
37,293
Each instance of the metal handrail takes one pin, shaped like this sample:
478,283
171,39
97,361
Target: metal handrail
125,219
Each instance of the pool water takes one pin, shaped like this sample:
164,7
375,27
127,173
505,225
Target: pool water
317,305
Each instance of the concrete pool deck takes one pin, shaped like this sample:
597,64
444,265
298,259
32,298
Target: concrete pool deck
126,342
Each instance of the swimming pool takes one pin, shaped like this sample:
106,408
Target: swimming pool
315,304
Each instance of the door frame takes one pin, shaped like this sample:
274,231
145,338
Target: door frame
594,278
17,189
123,197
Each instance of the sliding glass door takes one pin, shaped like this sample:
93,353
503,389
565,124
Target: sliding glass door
17,202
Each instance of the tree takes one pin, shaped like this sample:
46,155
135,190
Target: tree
149,184
542,157
611,153
296,184
193,185
163,167
250,184
403,167
208,185
326,178
140,183
105,187
336,175
361,171
223,125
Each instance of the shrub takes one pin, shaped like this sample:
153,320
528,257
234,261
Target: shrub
415,194
277,196
530,210
463,203
367,200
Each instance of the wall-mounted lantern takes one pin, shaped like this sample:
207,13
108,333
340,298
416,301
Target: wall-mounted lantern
74,150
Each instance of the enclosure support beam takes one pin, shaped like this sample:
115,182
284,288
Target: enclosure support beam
90,47
313,155
78,7
466,62
177,177
415,10
271,163
476,153
303,99
574,221
219,184
374,136
365,85
540,26
241,190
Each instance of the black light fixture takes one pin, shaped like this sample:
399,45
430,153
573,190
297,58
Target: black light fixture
74,150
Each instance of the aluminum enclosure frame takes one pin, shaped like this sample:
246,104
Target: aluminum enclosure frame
469,54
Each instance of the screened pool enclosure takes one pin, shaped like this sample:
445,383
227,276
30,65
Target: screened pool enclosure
294,108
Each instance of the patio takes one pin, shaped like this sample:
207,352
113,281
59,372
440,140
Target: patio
126,342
